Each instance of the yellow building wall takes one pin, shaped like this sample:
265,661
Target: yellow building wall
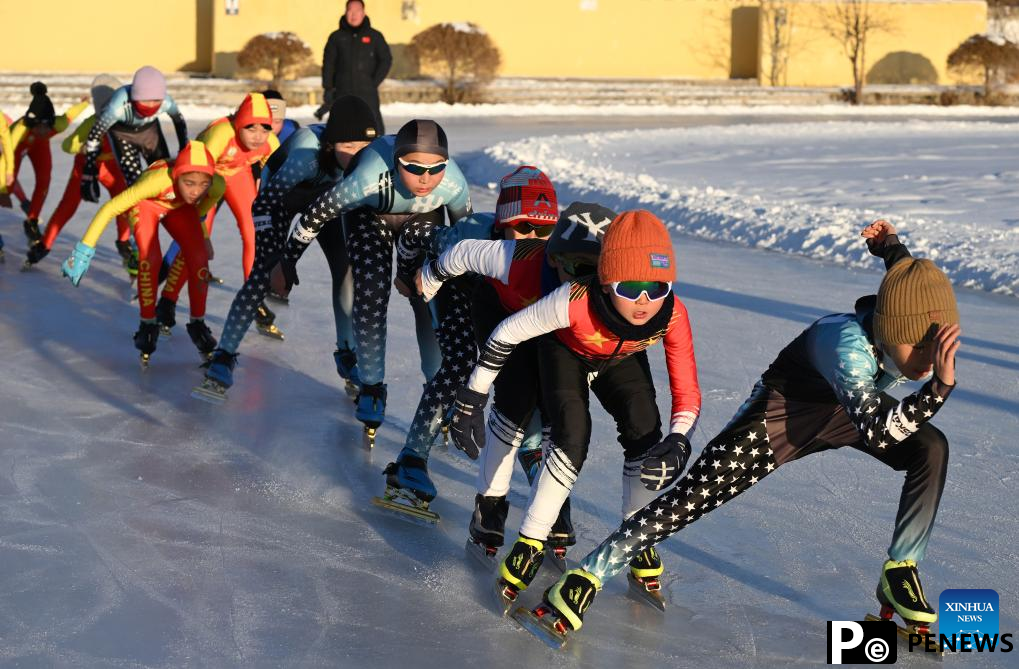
548,38
921,33
699,39
103,35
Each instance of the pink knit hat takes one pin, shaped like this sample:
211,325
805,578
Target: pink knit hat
148,84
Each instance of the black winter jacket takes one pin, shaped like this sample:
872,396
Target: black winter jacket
355,62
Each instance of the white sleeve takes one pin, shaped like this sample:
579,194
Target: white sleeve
548,314
481,256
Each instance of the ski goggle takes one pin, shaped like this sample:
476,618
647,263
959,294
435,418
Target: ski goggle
578,267
144,109
539,229
632,290
417,169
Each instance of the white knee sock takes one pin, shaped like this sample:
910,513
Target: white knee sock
502,439
556,480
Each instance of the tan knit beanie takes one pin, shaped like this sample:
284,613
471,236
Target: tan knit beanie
913,295
636,247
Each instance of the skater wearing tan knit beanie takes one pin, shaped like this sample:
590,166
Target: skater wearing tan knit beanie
916,320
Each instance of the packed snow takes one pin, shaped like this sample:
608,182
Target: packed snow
950,187
141,528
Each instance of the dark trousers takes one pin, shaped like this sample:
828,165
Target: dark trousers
626,391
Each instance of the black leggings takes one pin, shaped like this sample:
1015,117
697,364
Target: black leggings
626,391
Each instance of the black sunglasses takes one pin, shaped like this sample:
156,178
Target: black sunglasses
526,228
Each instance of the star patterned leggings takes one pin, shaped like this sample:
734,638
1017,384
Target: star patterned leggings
766,432
452,312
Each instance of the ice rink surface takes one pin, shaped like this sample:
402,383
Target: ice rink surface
142,528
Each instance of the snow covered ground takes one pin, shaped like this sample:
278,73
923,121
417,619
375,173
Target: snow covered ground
950,186
139,527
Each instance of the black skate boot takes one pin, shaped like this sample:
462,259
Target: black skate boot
519,568
32,233
899,591
36,252
202,337
487,529
265,321
561,537
145,340
166,316
645,577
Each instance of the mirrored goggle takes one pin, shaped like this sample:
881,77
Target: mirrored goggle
632,290
576,268
417,169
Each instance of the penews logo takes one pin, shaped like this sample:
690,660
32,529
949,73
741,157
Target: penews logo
861,642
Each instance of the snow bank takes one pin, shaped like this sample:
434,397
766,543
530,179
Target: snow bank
805,188
442,110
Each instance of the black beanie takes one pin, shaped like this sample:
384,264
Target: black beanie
423,136
350,120
40,109
580,229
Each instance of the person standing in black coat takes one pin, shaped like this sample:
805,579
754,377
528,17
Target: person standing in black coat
356,61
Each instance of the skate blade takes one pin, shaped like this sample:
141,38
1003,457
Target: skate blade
352,389
543,627
270,331
26,266
216,280
406,512
478,553
503,604
209,391
638,592
904,633
369,437
165,332
144,359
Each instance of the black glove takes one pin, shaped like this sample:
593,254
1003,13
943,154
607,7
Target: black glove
467,426
90,179
665,462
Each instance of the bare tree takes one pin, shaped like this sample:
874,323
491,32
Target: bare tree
284,54
462,54
777,27
851,23
994,56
